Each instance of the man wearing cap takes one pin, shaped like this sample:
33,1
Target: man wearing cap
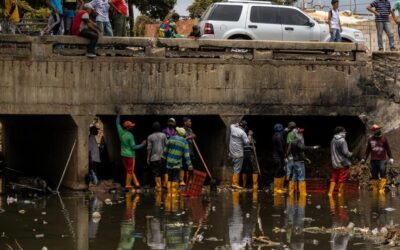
170,131
128,148
378,147
238,140
176,151
278,159
155,148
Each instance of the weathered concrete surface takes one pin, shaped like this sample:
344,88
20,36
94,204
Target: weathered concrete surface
152,83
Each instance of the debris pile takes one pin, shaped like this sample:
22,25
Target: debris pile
360,172
105,186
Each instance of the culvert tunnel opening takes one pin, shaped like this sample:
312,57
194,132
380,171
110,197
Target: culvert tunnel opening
211,140
37,146
318,131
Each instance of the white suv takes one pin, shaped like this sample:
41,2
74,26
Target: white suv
260,20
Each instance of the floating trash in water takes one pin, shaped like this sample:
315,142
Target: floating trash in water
350,226
375,231
199,237
308,219
354,210
22,211
149,216
247,215
11,200
318,206
213,239
35,220
108,201
2,210
213,208
96,215
39,235
45,222
44,248
44,213
358,243
276,215
389,209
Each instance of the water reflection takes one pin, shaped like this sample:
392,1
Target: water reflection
228,220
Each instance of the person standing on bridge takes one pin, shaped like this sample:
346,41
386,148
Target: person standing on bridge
12,17
155,147
381,9
168,28
335,27
340,160
102,19
119,14
128,148
55,25
84,27
378,147
238,140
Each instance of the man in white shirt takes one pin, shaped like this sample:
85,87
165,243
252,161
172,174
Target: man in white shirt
102,19
238,139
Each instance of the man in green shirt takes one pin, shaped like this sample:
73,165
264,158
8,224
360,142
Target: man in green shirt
128,148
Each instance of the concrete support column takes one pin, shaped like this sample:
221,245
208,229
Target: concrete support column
226,171
79,164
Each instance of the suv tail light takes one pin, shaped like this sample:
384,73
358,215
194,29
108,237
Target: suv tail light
208,29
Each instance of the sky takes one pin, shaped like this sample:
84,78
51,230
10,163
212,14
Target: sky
181,6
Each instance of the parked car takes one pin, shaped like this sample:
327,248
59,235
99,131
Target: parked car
260,20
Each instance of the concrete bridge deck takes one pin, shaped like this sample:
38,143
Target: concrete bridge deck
219,80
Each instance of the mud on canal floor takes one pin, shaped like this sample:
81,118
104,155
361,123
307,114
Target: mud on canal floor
226,220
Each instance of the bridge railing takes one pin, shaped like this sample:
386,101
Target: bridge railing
53,46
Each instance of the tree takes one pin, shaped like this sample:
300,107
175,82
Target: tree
199,6
155,9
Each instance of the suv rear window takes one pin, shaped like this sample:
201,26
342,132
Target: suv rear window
226,13
261,14
293,17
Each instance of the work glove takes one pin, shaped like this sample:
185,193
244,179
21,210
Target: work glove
190,168
391,161
362,161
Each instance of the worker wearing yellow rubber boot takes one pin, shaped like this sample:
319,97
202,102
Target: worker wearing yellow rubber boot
176,151
156,143
340,155
238,139
128,148
278,159
250,161
189,136
378,147
296,161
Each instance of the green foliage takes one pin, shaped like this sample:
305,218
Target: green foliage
155,9
199,6
140,24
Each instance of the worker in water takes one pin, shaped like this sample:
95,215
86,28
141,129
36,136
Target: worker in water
94,154
128,148
155,148
190,136
176,151
378,147
296,158
278,159
238,140
249,162
340,160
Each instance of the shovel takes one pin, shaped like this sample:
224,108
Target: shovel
213,183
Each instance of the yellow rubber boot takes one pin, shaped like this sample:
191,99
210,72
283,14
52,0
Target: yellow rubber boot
166,181
169,188
282,188
255,182
276,185
135,181
175,189
331,188
292,188
128,181
302,201
382,186
332,204
158,184
341,190
375,186
182,178
235,198
158,198
235,181
244,180
302,188
254,196
278,201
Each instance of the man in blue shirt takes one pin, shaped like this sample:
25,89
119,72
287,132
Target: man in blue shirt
382,10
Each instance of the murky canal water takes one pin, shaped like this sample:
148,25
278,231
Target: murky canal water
223,221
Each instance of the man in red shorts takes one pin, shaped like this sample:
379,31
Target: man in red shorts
340,160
